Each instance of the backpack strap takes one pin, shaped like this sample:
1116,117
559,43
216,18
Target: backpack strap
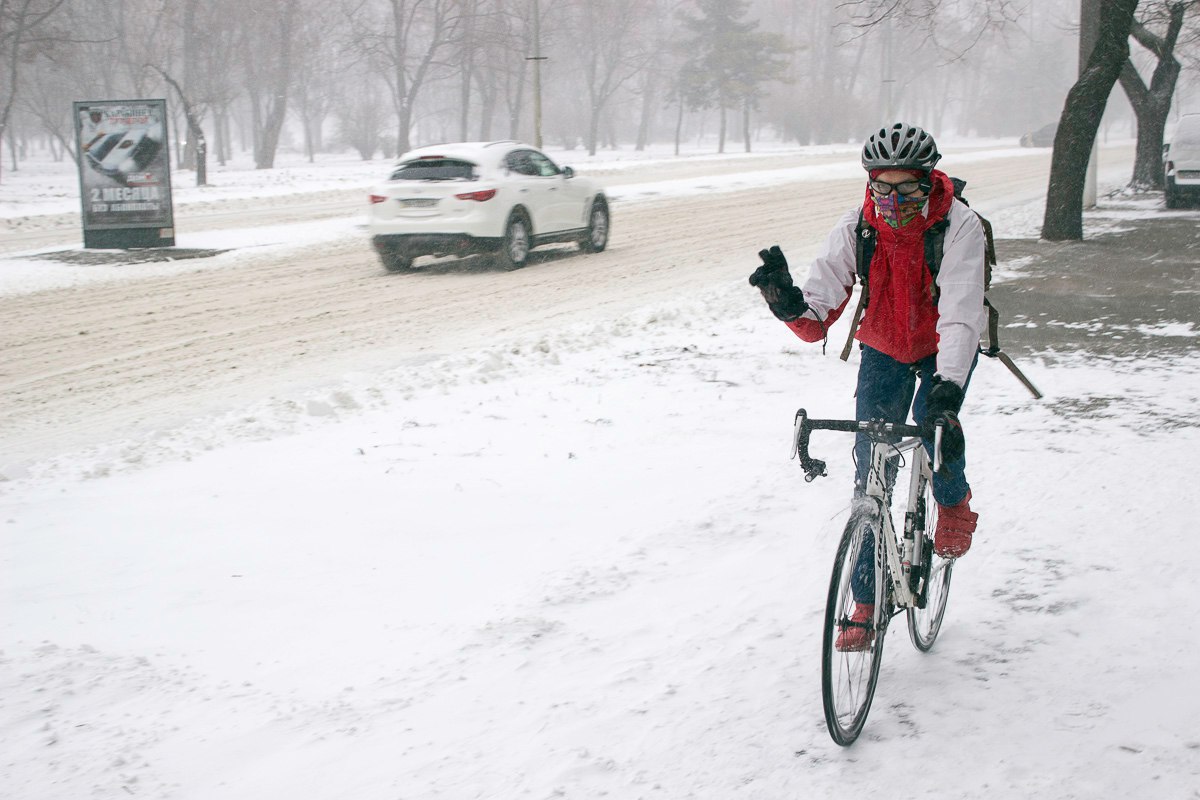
864,250
989,261
935,244
989,248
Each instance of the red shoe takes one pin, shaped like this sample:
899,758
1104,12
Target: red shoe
858,635
955,525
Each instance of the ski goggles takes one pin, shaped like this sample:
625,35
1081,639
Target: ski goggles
903,188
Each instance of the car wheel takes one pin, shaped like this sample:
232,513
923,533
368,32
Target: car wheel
514,250
596,238
1172,194
396,262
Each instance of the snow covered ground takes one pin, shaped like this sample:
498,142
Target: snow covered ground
581,565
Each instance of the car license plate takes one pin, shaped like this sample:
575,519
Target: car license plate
418,202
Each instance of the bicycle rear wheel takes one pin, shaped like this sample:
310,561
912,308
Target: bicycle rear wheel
925,621
848,678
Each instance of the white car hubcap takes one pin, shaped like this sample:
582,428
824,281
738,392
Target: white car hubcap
599,227
518,242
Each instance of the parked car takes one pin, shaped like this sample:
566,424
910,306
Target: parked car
499,198
1042,137
1181,162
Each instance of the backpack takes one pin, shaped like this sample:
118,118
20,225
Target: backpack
935,239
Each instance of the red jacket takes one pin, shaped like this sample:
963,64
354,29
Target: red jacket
901,319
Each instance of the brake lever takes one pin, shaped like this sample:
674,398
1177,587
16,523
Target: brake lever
797,427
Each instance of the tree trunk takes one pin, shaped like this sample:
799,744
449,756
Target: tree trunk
467,65
196,149
487,106
266,139
221,124
593,131
645,120
678,127
746,124
1080,120
1152,104
1151,111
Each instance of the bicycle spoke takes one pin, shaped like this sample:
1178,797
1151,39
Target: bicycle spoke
924,623
850,667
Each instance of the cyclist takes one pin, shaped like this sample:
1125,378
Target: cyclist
905,332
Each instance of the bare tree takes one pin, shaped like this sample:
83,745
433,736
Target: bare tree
652,81
518,30
929,17
605,39
405,39
1080,120
194,48
492,44
268,62
319,75
216,52
190,99
23,31
1152,103
55,75
468,47
359,110
46,99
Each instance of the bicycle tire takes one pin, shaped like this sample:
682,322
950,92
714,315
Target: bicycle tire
848,679
925,620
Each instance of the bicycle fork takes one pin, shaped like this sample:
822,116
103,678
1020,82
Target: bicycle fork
903,562
914,557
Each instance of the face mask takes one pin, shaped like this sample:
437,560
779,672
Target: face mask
898,211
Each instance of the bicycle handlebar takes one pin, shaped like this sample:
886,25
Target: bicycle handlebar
875,428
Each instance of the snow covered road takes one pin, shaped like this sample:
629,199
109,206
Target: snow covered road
140,347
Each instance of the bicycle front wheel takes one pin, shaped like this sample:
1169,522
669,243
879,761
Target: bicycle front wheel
850,665
925,619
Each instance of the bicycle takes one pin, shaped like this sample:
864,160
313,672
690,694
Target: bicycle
895,572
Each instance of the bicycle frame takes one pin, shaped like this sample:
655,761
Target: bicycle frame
903,556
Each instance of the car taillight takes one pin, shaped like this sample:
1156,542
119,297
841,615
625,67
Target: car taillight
480,196
377,198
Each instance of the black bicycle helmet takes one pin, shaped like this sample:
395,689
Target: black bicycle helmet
902,146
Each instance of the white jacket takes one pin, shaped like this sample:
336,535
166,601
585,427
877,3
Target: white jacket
960,280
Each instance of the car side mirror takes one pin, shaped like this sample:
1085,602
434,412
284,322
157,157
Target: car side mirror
568,172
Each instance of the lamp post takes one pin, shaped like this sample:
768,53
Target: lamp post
537,60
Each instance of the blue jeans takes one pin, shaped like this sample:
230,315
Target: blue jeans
886,390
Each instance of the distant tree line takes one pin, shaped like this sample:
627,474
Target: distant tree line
381,76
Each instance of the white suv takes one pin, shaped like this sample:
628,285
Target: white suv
483,197
1182,162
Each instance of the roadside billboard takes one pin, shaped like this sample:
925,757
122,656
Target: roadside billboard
124,173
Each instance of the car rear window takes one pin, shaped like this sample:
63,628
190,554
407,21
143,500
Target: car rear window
434,169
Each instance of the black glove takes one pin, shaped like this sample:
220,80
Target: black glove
775,282
943,403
